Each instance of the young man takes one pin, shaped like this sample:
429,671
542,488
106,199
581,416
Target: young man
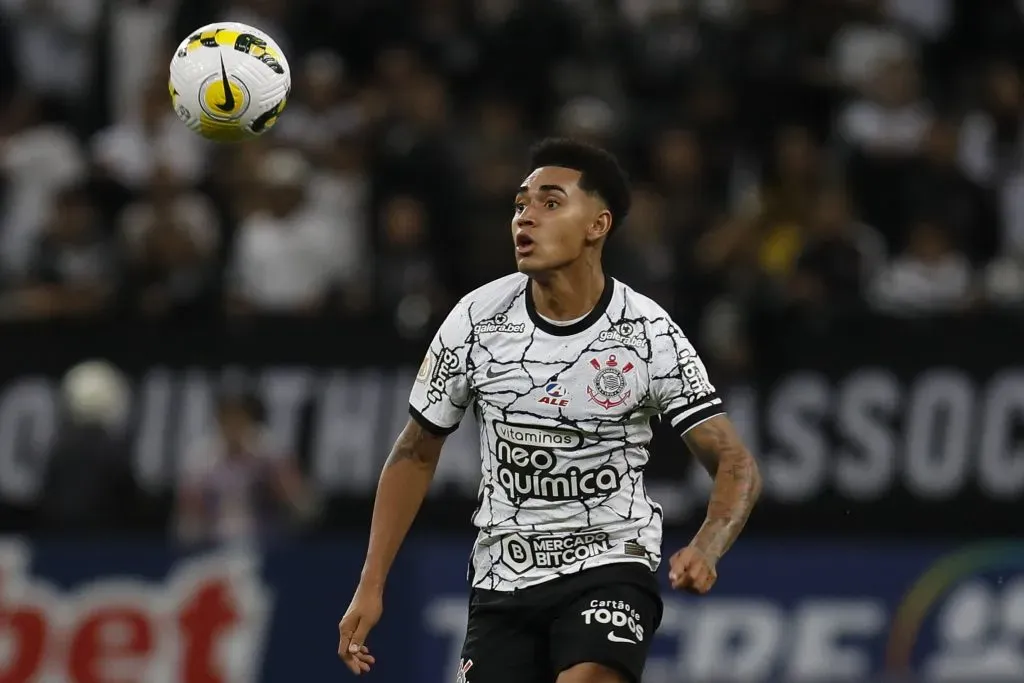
564,368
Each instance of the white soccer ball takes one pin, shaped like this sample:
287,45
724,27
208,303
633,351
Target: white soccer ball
229,82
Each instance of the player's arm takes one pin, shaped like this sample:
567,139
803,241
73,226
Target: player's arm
737,486
691,405
437,403
402,487
401,490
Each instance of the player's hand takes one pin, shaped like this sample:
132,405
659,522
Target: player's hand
362,615
692,570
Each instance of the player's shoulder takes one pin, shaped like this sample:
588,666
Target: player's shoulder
504,288
494,298
641,307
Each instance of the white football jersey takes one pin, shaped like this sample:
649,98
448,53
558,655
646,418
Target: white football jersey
565,419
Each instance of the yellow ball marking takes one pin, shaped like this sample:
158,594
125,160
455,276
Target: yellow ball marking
219,104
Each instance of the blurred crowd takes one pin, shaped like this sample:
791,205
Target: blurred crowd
795,158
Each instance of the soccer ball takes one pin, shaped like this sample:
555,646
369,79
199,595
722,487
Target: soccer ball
229,82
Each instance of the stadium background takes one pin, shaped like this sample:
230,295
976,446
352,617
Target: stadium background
829,196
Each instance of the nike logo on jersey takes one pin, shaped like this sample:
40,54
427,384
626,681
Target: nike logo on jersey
618,639
492,373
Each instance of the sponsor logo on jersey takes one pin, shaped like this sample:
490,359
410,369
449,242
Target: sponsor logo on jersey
446,365
526,462
499,323
609,389
623,621
205,622
555,395
694,375
522,553
626,333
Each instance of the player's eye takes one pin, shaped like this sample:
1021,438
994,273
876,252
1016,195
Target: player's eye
519,206
551,204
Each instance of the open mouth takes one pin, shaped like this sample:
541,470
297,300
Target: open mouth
524,243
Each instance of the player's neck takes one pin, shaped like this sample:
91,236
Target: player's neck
568,293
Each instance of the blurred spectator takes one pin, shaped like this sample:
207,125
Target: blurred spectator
1004,281
129,152
683,210
885,130
589,119
171,240
990,143
38,157
892,119
669,40
142,36
236,484
487,241
936,184
865,43
929,276
446,33
777,218
769,70
396,69
340,189
89,486
54,46
321,110
640,253
496,129
284,256
839,260
992,153
708,106
928,19
408,281
74,271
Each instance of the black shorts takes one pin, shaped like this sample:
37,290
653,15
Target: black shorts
605,615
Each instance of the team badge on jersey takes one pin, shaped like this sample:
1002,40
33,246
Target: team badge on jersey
609,388
555,395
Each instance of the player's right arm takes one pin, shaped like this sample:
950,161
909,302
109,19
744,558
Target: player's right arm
437,403
402,487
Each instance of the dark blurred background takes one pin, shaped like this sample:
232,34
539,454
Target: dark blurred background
209,347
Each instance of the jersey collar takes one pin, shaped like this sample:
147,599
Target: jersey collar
576,327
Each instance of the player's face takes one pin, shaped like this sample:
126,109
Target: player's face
555,220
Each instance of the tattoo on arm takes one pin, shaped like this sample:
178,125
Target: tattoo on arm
417,445
718,447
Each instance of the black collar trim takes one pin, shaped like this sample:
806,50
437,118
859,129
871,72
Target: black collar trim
578,326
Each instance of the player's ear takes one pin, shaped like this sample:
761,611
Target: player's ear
601,226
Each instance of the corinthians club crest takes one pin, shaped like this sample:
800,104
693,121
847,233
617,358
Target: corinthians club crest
608,388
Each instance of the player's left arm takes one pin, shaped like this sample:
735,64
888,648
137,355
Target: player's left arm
689,402
737,486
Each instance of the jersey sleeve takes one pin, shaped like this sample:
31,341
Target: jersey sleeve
680,387
441,392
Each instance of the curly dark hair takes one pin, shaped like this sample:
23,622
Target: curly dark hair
600,172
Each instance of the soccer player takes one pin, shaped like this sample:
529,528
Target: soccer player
563,367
